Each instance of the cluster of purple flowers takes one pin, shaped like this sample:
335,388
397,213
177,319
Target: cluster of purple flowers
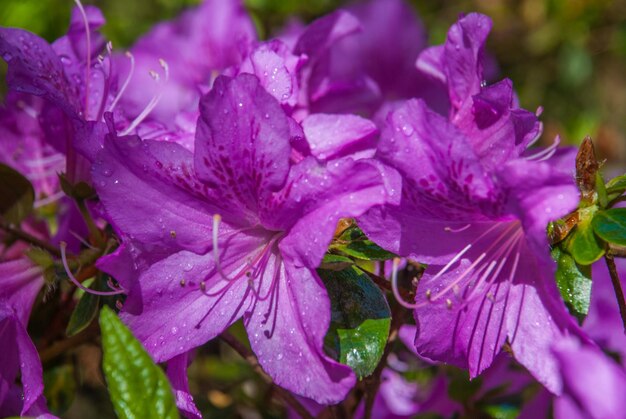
223,163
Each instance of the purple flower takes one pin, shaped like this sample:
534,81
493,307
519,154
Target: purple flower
234,230
196,46
475,208
373,64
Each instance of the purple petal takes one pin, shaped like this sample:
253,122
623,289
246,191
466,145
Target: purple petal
19,355
288,329
180,216
324,32
317,197
540,192
591,379
331,136
277,69
473,310
185,302
496,130
177,374
20,282
464,50
242,142
35,68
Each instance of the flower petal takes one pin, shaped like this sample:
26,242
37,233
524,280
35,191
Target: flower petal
177,374
184,300
175,200
288,329
242,142
331,135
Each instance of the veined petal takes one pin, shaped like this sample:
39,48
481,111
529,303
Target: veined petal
288,329
20,282
185,301
242,142
176,201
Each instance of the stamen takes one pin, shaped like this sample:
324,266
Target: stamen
126,82
457,230
62,246
28,110
88,42
154,101
394,286
547,152
48,200
53,159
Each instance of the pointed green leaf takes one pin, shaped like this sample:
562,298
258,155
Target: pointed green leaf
583,244
83,314
360,319
138,387
574,282
610,225
17,195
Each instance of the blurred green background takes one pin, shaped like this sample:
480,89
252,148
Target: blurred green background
568,56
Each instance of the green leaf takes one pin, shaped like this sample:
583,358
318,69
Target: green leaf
138,387
574,282
616,185
603,199
353,242
360,319
583,244
336,262
610,225
362,347
83,314
17,195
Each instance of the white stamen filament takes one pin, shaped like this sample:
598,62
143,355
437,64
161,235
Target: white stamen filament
129,76
457,230
155,99
48,200
547,152
394,287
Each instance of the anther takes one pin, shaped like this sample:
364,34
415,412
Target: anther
448,304
182,282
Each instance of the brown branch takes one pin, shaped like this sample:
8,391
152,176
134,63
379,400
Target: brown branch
249,356
60,347
24,236
617,286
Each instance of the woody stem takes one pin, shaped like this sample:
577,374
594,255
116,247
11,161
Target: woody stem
617,286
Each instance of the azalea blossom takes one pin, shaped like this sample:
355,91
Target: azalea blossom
476,211
236,230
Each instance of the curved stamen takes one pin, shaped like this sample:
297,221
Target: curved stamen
547,152
48,200
394,286
457,230
155,99
129,76
88,42
62,246
43,161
